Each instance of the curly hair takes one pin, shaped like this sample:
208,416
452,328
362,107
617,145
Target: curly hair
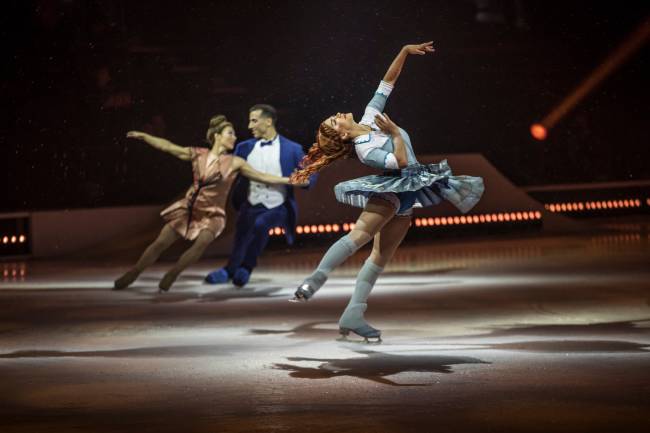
328,148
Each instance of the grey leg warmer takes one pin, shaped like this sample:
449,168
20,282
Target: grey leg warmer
335,255
353,315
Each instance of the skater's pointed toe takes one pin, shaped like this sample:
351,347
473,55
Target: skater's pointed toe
125,280
166,282
303,293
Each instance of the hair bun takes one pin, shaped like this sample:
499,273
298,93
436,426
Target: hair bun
217,120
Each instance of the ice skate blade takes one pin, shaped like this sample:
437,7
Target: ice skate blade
366,340
345,339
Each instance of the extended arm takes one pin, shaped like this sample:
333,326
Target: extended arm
162,144
395,68
240,164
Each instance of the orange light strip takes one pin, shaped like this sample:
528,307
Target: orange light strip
594,205
490,218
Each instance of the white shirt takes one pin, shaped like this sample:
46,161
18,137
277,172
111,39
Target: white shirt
267,160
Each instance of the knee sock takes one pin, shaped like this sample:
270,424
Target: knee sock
335,255
353,315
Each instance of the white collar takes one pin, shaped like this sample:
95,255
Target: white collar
362,138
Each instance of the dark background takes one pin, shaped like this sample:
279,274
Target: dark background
78,74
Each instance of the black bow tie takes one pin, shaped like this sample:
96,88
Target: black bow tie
266,143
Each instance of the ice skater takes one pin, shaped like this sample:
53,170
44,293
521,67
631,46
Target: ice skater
261,207
387,199
199,216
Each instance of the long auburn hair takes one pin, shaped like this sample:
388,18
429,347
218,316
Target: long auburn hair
328,148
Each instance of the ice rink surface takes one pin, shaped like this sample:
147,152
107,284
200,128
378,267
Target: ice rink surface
535,334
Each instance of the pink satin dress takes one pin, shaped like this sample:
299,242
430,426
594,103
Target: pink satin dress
204,204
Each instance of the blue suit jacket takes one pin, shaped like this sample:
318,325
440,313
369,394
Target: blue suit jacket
291,154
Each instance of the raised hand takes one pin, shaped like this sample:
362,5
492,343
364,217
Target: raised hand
420,49
292,180
136,134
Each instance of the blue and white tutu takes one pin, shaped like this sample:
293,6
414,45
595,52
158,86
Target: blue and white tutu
418,185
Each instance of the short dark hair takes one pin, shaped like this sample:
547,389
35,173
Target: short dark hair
267,110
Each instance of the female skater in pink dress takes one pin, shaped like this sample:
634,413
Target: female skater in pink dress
199,216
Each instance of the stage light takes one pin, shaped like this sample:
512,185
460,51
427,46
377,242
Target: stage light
299,230
538,131
631,44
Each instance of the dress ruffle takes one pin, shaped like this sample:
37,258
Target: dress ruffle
431,182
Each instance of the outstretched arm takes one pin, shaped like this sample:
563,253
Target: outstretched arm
162,144
240,164
395,68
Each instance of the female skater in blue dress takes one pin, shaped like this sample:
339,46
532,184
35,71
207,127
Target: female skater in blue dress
387,199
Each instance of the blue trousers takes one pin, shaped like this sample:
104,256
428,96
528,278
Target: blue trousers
252,234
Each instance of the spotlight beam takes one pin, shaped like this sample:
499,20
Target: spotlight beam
611,63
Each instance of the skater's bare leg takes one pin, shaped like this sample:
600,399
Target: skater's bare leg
374,216
192,255
389,239
164,240
385,244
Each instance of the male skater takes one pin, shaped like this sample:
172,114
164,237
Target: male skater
261,207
